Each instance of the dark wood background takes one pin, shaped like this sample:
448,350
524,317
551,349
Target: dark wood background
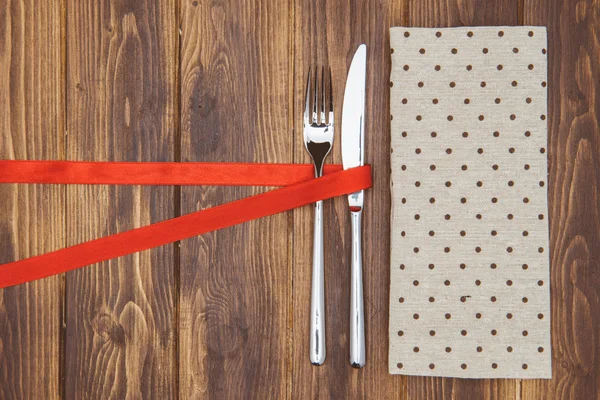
225,315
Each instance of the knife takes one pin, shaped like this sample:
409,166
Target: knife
353,152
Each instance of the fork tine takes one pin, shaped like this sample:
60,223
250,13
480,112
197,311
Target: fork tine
316,98
307,103
330,97
323,93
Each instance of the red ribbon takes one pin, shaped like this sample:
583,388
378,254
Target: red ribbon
300,189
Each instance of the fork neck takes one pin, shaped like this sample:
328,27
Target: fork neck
318,151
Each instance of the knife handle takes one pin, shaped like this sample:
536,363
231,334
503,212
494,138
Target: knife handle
357,317
317,299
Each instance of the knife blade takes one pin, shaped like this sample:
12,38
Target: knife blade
353,152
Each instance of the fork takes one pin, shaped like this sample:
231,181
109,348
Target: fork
318,139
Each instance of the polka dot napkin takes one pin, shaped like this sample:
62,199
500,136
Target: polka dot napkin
469,254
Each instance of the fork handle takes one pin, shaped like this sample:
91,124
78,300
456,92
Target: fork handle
317,300
357,317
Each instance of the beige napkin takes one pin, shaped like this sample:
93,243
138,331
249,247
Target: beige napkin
469,256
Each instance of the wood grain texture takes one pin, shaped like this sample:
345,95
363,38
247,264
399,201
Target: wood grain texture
574,178
121,97
328,33
235,283
31,216
447,13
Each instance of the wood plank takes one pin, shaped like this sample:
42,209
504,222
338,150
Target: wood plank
447,13
574,161
31,216
121,96
328,33
235,283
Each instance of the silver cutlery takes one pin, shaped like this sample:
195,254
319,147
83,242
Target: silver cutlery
353,151
318,139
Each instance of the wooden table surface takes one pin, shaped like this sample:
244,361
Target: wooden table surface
225,315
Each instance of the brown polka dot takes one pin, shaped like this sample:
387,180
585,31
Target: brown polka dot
469,67
417,184
418,151
417,217
450,117
422,51
479,349
404,200
431,299
463,200
527,133
544,84
470,34
454,51
431,366
540,316
525,200
485,50
493,265
543,117
447,216
416,349
421,84
438,34
524,333
481,117
509,349
452,84
399,365
406,67
511,150
509,282
525,266
528,100
494,200
415,316
496,133
467,101
494,365
401,299
404,134
515,50
448,349
391,51
541,183
437,67
525,233
477,282
543,51
400,333
418,118
509,249
448,151
432,333
542,150
494,332
463,233
404,101
514,83
524,366
479,184
526,167
498,100
463,366
500,33
494,233
511,183
483,84
403,233
463,266
480,150
464,167
403,167
540,349
541,216
530,33
478,216
499,67
406,34
465,134
447,282
416,250
540,283
391,84
530,67
463,332
446,249
448,315
478,249
513,117
463,299
478,315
